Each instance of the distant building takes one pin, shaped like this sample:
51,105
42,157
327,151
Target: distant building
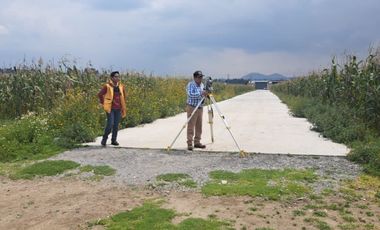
8,70
236,81
261,84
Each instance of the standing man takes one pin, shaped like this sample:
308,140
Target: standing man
112,99
195,94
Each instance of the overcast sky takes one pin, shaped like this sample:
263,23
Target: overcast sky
176,37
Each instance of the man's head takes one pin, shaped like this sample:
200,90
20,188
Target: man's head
115,76
198,75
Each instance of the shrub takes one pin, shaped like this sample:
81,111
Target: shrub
76,119
45,168
368,154
342,103
26,138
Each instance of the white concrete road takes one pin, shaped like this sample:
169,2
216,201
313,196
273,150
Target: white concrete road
259,121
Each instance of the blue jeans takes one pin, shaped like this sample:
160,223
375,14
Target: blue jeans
113,119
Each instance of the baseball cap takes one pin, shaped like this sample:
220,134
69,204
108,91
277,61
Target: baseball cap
198,73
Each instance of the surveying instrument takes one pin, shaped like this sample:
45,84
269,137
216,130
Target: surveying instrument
210,101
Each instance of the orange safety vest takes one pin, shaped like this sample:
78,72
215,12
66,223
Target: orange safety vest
108,98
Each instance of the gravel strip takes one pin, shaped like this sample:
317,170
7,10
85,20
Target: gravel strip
141,166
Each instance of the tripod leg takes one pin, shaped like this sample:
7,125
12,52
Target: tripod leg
183,127
242,153
210,120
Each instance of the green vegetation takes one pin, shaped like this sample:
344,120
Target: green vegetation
348,226
343,104
272,184
44,168
319,224
298,213
46,109
180,178
103,170
320,213
151,216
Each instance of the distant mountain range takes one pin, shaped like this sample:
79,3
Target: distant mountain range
263,77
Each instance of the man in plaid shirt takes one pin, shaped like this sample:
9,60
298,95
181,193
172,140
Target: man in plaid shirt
195,94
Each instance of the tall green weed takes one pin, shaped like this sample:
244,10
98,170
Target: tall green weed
26,138
343,103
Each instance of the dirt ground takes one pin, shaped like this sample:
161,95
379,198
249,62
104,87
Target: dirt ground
70,203
65,203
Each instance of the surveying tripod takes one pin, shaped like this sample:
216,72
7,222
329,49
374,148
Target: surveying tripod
210,101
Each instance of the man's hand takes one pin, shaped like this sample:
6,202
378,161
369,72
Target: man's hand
204,93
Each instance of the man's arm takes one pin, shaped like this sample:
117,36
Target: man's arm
101,94
193,91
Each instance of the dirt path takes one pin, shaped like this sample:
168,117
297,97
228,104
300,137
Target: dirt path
61,203
70,203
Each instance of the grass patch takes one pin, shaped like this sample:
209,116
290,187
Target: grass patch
172,177
349,226
151,216
369,213
103,170
189,183
44,168
180,178
272,184
348,218
320,213
298,213
368,185
8,169
319,224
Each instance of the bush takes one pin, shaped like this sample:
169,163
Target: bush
343,103
45,168
367,154
26,138
76,120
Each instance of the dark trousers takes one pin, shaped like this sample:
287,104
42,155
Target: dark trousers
113,119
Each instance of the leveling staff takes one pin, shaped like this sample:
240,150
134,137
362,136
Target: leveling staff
195,93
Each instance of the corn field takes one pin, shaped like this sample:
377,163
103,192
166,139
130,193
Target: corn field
355,84
34,88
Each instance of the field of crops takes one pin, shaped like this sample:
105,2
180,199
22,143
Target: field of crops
342,102
44,109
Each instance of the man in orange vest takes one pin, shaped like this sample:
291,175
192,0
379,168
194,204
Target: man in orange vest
112,99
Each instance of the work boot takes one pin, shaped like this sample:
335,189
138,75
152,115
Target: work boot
115,143
190,147
200,146
103,142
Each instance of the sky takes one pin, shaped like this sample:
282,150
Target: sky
223,38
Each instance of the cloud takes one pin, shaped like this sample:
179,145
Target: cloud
165,36
3,30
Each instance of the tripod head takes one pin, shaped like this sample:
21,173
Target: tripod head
208,84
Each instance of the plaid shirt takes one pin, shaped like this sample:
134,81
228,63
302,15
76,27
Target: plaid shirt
194,93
